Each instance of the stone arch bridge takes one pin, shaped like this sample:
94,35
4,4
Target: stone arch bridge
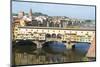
40,35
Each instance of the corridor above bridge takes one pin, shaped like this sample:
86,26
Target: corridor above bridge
44,33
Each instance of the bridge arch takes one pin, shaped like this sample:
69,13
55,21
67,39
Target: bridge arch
54,47
25,46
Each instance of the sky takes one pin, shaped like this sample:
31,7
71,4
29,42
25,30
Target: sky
74,11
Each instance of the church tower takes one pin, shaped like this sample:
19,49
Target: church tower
30,12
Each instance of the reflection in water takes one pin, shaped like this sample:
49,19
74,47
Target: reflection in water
50,54
54,47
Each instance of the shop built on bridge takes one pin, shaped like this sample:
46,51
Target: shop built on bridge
40,35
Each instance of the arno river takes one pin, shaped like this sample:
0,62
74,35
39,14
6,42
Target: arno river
47,55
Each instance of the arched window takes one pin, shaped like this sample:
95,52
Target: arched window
53,35
59,36
48,35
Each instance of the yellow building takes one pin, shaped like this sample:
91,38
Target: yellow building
22,22
34,33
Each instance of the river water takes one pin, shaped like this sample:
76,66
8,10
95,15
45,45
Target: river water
49,56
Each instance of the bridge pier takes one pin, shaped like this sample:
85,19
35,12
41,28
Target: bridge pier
69,45
39,43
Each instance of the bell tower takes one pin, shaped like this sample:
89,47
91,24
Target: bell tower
30,12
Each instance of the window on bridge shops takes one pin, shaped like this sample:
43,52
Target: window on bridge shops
59,36
53,35
48,35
